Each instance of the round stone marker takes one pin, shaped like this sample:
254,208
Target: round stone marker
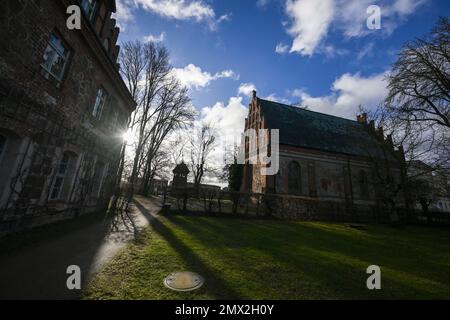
184,281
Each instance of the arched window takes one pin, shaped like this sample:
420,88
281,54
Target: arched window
294,177
363,184
63,181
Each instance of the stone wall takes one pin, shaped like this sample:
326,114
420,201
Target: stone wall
338,183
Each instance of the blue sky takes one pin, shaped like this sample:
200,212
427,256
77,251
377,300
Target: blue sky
317,53
327,58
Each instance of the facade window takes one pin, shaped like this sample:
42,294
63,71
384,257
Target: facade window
64,175
89,8
56,58
294,177
363,184
100,101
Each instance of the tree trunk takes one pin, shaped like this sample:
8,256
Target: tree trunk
117,191
426,211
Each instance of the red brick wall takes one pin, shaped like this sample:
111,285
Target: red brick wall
58,118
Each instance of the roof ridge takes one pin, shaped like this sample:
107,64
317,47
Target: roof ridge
302,109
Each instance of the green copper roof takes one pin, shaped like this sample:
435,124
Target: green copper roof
313,130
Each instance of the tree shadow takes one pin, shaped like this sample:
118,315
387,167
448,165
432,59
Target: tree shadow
37,268
330,257
214,283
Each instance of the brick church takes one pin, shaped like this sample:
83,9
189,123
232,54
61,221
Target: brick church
63,110
321,157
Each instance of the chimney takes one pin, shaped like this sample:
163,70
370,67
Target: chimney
362,118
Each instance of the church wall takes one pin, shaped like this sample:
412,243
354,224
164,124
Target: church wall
324,176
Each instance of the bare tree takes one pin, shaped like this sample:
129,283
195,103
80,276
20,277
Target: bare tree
419,85
162,103
132,65
401,144
416,112
201,144
177,145
174,113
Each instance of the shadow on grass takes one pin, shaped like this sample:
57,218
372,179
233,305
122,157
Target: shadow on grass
336,259
215,284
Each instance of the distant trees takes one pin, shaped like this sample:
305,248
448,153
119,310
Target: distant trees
232,173
424,192
419,90
415,115
419,85
201,144
236,174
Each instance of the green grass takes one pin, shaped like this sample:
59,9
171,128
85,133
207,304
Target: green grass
263,259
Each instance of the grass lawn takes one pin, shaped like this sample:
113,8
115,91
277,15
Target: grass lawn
261,259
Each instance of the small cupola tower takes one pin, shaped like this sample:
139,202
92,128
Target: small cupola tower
180,174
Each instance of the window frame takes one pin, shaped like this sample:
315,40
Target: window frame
67,177
97,112
60,176
94,8
56,52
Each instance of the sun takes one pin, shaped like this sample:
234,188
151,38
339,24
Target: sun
128,136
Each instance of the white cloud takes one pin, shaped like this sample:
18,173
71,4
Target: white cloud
348,93
331,51
228,121
178,9
246,89
275,98
230,117
196,10
366,51
153,38
124,13
262,3
310,22
281,48
193,76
